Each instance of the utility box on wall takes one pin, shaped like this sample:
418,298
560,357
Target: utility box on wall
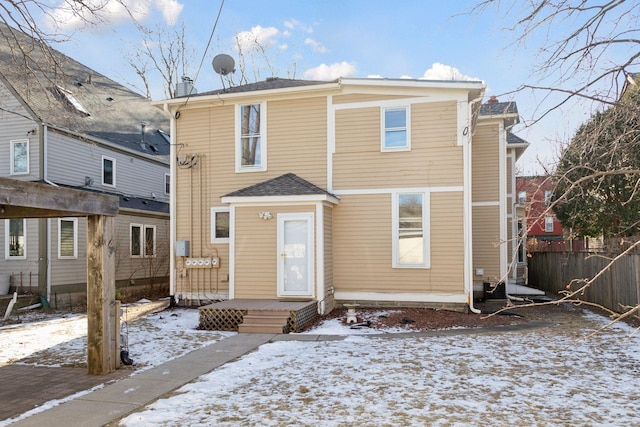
182,248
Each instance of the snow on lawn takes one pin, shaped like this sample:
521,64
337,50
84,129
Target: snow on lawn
546,376
62,339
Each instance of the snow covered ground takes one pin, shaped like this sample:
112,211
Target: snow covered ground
545,376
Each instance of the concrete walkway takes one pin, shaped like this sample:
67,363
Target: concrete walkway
117,399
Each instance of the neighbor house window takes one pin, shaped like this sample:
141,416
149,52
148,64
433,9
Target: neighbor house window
149,241
15,238
395,129
19,157
547,196
548,224
219,225
67,238
251,138
135,240
108,171
411,230
522,242
522,197
167,183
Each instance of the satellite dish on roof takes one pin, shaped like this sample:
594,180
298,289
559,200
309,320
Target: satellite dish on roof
223,64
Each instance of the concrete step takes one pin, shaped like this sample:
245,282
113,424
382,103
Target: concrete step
264,328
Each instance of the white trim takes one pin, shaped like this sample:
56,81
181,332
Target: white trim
408,297
426,231
319,261
113,162
463,124
263,138
368,191
75,238
310,255
440,97
480,204
502,167
6,238
12,159
214,213
232,252
331,141
406,128
262,200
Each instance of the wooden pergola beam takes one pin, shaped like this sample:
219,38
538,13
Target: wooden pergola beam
23,199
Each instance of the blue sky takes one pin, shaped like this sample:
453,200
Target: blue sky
326,39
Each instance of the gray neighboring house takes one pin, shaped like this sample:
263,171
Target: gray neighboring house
67,125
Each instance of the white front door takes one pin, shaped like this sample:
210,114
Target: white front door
295,255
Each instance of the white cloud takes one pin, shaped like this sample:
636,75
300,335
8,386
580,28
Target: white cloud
294,24
440,71
317,46
257,36
110,13
170,9
331,72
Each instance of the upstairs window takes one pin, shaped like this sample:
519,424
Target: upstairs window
251,138
19,157
548,224
15,238
167,183
219,225
410,231
522,197
67,238
547,196
108,171
395,129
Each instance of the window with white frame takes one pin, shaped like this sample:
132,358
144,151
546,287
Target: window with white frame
15,238
219,225
19,157
167,183
67,238
135,239
548,224
251,139
108,171
547,196
395,129
149,241
142,241
411,230
522,197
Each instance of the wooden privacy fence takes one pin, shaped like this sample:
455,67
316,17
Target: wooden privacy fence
617,287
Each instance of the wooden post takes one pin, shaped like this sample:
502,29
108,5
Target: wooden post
102,354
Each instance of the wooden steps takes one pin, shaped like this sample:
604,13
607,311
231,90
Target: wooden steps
265,322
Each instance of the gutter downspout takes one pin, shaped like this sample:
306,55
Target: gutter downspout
468,209
172,201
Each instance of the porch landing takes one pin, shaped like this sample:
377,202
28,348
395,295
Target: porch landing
258,315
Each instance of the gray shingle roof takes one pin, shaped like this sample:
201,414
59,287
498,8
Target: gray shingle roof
284,185
268,84
498,108
515,139
44,81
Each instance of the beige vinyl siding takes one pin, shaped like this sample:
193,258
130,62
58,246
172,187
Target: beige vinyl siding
486,239
256,254
485,163
434,159
363,247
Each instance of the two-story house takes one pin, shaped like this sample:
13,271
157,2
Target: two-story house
371,191
67,125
